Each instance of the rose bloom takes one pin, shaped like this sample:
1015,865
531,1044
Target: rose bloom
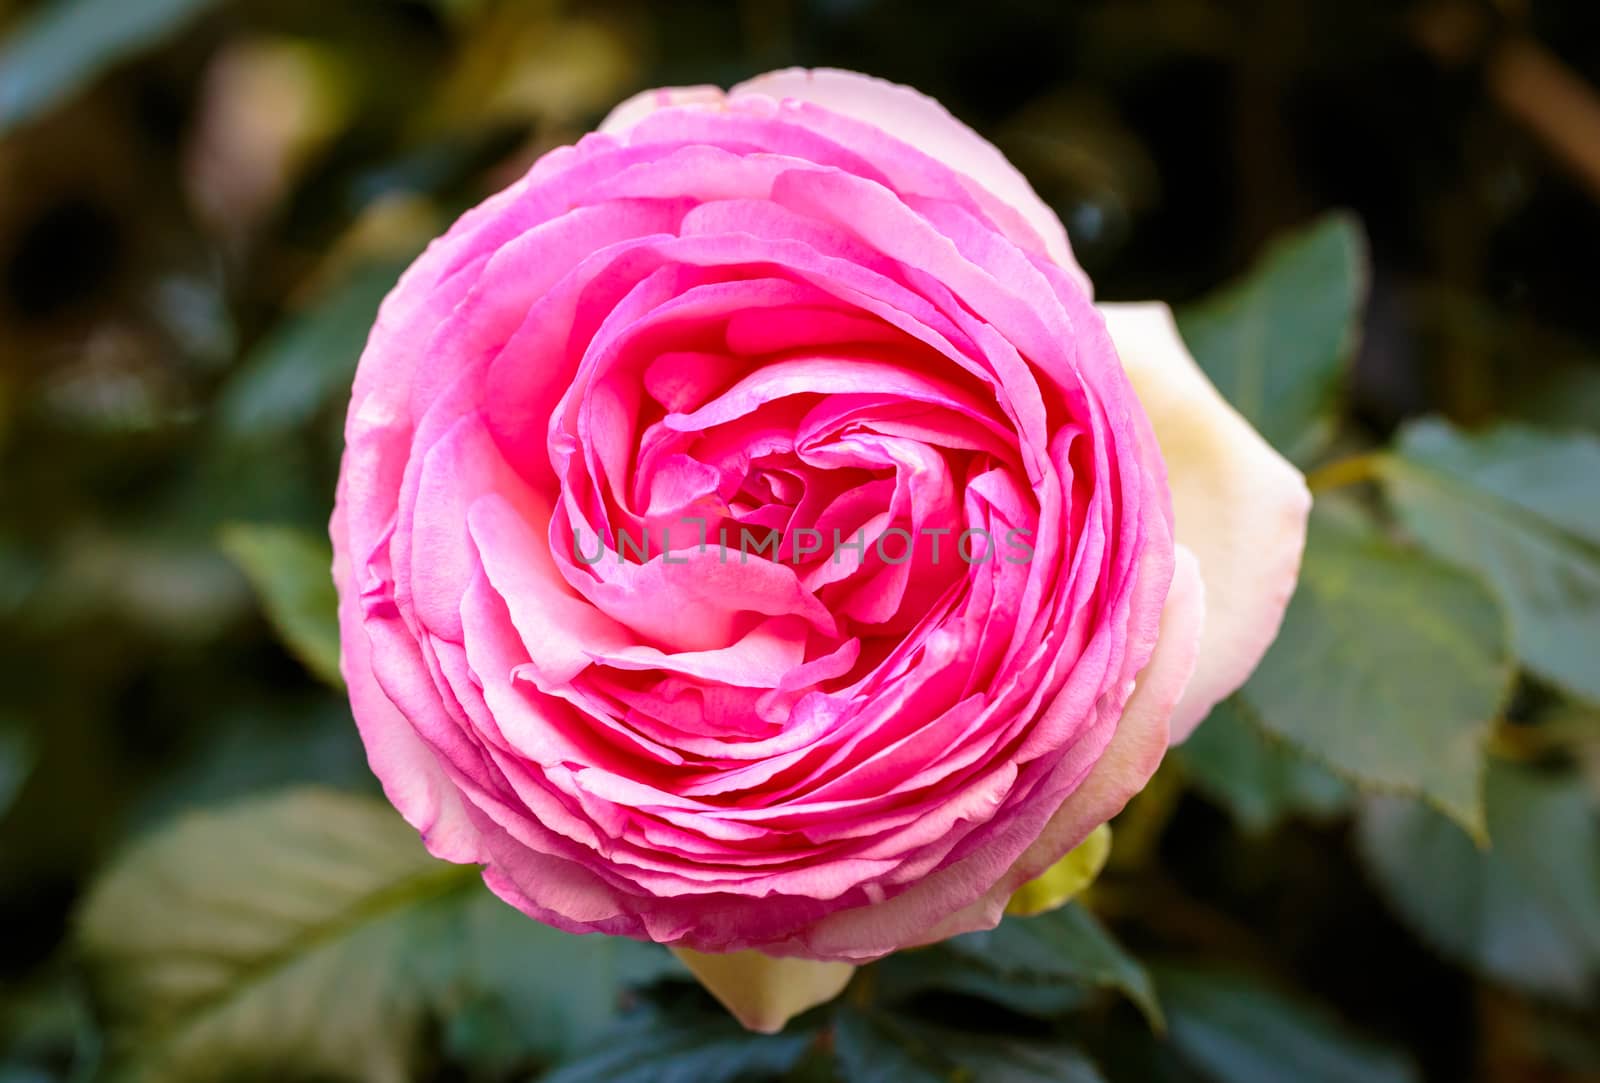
990,547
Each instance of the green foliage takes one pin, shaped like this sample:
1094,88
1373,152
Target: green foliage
1237,1029
667,1047
308,361
1389,668
165,371
1277,342
1065,945
292,572
16,762
67,43
310,932
880,1047
1257,777
298,933
1526,909
1518,506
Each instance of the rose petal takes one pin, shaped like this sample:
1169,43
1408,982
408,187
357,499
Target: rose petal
925,124
1129,760
1241,507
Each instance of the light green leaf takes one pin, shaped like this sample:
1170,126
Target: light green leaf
300,934
670,1048
1065,945
1276,342
1518,506
1389,668
1525,911
310,934
1256,777
307,361
66,44
1066,878
1238,1030
291,570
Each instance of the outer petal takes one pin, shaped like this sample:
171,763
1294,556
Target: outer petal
764,993
1240,506
412,777
642,104
902,112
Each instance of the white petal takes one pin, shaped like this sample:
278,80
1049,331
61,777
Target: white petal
1240,506
642,104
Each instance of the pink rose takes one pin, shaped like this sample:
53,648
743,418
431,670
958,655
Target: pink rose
751,535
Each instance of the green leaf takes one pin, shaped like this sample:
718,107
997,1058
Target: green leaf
1238,1030
301,934
1525,911
16,763
64,45
1065,945
310,933
1517,506
874,1048
1389,668
937,969
307,361
669,1048
995,1058
878,1047
291,571
557,992
1066,878
1257,778
1276,342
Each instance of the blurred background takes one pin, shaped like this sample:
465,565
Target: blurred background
202,201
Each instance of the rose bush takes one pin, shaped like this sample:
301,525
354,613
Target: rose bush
752,535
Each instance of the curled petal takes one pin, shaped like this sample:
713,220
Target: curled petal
1240,506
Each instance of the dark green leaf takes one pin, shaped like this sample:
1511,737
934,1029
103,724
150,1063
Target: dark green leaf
291,570
16,762
1517,506
1065,945
1258,778
875,1048
937,969
997,1058
68,43
1389,668
308,361
668,1048
1276,342
557,992
1525,911
1238,1030
881,1048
